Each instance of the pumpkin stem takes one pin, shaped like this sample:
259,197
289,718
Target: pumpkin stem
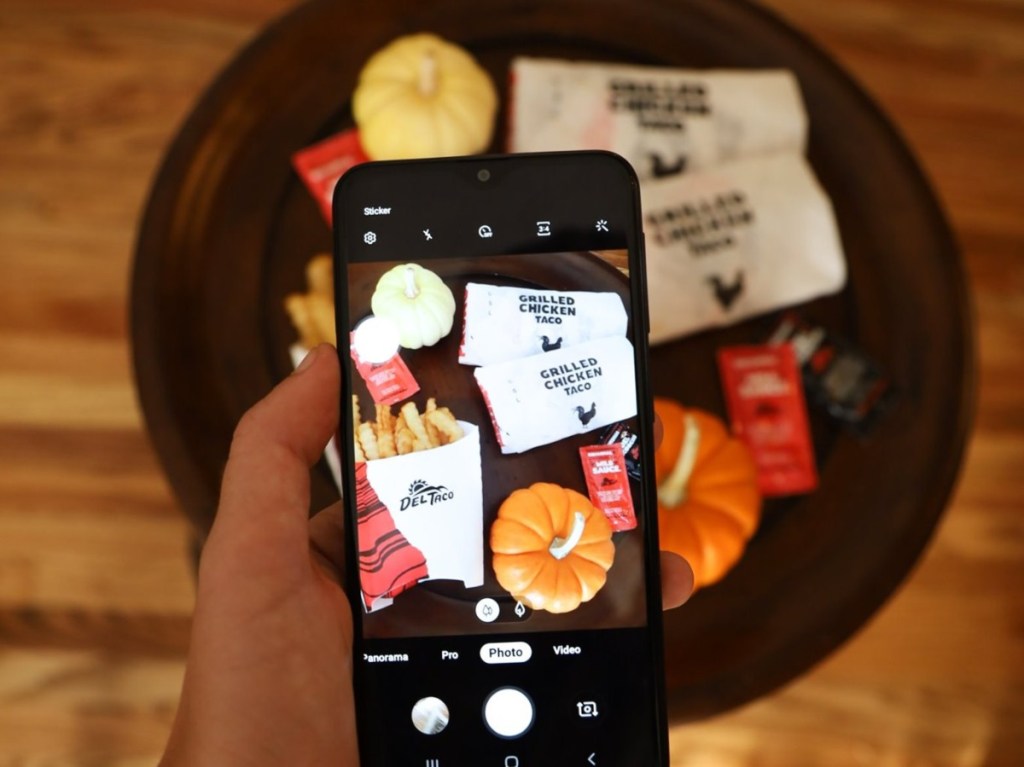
673,490
428,74
560,547
411,289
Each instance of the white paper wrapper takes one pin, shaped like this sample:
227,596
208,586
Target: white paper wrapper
735,241
504,323
547,397
663,121
435,498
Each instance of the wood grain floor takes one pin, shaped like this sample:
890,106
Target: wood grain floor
95,584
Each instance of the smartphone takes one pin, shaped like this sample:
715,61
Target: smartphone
497,462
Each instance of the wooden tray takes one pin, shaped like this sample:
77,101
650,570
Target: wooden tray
229,227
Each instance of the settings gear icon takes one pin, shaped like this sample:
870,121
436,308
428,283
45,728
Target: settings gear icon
370,237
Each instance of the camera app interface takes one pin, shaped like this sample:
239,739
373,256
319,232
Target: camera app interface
499,516
495,437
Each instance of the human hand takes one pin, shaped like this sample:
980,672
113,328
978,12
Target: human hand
269,673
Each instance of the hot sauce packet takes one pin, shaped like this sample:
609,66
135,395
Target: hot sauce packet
766,406
322,164
608,484
389,382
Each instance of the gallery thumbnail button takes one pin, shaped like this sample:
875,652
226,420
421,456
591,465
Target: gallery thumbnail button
506,652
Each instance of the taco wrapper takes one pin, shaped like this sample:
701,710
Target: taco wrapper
547,397
505,323
662,120
736,241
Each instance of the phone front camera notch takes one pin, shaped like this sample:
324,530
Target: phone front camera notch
483,175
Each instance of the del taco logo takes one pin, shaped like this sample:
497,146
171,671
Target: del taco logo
422,494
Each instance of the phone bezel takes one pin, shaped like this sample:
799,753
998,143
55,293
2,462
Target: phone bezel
556,180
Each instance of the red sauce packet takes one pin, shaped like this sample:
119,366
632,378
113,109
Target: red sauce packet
766,406
608,484
322,164
389,382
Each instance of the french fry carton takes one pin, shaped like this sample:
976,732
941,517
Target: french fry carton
431,514
434,499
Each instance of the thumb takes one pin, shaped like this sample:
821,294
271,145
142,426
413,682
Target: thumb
265,489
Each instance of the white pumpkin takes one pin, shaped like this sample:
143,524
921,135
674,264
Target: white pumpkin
421,96
417,302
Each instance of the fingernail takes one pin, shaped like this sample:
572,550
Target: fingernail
307,361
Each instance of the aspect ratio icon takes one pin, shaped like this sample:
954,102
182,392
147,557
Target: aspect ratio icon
485,231
543,228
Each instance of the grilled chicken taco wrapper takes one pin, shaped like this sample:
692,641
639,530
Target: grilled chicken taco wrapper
506,323
736,241
663,120
547,397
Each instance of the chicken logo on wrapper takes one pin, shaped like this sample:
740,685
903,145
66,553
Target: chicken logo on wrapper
423,468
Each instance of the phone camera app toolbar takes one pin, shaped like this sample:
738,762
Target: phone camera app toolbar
428,230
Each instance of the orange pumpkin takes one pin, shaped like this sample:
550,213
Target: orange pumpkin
709,503
552,547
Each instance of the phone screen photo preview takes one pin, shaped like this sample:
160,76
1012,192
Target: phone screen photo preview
498,502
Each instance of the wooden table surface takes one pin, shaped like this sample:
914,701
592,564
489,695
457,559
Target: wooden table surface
95,580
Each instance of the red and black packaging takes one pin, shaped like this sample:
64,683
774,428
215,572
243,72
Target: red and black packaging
766,404
627,438
322,164
388,382
608,484
837,376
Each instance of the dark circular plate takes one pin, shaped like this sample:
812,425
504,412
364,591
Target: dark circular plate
228,229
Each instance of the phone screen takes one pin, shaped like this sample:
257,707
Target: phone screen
503,567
